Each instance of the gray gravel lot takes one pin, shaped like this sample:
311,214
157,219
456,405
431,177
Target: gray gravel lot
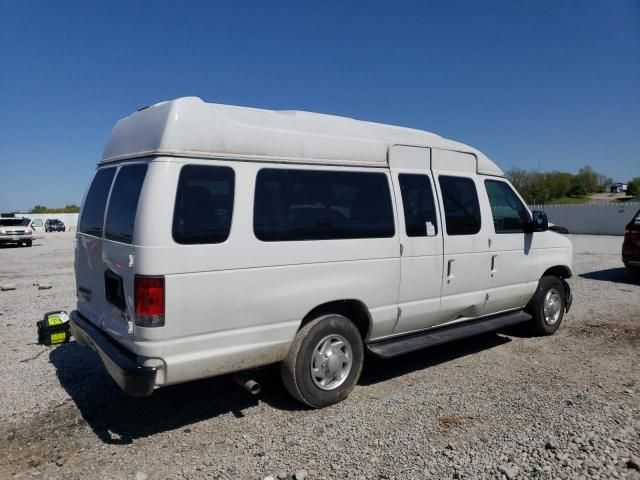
501,405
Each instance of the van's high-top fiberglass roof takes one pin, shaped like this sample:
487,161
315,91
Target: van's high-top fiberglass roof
189,127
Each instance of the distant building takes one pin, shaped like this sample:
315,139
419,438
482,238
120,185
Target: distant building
616,187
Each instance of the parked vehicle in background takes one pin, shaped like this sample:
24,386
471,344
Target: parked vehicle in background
36,224
215,239
13,230
54,225
631,245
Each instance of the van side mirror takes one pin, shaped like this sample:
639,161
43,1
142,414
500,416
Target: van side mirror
539,222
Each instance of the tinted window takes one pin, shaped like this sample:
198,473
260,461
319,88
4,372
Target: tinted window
461,208
95,203
419,207
204,204
509,214
11,222
321,205
121,215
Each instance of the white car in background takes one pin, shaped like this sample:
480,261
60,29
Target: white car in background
13,230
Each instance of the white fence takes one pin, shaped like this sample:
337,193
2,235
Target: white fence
592,218
70,219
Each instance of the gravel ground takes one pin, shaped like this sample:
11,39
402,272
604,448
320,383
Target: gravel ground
495,406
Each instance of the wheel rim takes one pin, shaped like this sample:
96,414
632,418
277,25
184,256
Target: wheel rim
552,306
331,362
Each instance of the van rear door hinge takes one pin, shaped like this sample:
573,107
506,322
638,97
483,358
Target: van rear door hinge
399,313
401,249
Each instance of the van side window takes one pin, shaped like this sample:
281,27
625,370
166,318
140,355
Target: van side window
123,203
204,204
95,203
418,204
461,207
321,205
509,213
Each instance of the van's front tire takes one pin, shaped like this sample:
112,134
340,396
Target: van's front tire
324,362
547,306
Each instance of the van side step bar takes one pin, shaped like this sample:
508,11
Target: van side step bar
439,335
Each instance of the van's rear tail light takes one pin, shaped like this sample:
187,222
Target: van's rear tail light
149,301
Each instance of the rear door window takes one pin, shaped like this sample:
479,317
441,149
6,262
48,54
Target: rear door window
123,203
204,204
461,206
92,215
419,207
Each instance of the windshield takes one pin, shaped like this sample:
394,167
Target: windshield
54,222
10,222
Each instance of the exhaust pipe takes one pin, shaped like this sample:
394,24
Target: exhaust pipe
247,383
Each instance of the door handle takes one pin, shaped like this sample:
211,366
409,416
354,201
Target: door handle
493,264
450,274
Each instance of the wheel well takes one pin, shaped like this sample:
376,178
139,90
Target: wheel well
558,271
354,310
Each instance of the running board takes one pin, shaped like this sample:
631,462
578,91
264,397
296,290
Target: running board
439,335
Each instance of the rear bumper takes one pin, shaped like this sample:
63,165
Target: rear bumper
124,366
15,238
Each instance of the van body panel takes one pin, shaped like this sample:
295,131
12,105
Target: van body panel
89,283
117,258
233,299
453,161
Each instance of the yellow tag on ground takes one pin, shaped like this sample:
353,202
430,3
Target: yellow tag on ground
58,338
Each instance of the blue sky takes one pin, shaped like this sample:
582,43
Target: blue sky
552,82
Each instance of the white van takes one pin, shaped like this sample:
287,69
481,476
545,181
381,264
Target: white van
216,239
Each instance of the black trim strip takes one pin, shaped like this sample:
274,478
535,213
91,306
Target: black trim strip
448,333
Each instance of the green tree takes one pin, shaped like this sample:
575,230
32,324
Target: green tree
589,179
633,187
539,192
39,209
559,184
577,189
604,182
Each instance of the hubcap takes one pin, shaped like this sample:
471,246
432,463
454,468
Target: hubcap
331,362
552,306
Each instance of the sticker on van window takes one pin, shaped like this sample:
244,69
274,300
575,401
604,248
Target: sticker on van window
431,230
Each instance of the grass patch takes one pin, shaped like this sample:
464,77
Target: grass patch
569,200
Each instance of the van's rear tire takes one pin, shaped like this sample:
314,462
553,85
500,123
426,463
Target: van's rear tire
324,362
547,306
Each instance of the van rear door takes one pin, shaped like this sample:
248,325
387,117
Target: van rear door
105,264
88,252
